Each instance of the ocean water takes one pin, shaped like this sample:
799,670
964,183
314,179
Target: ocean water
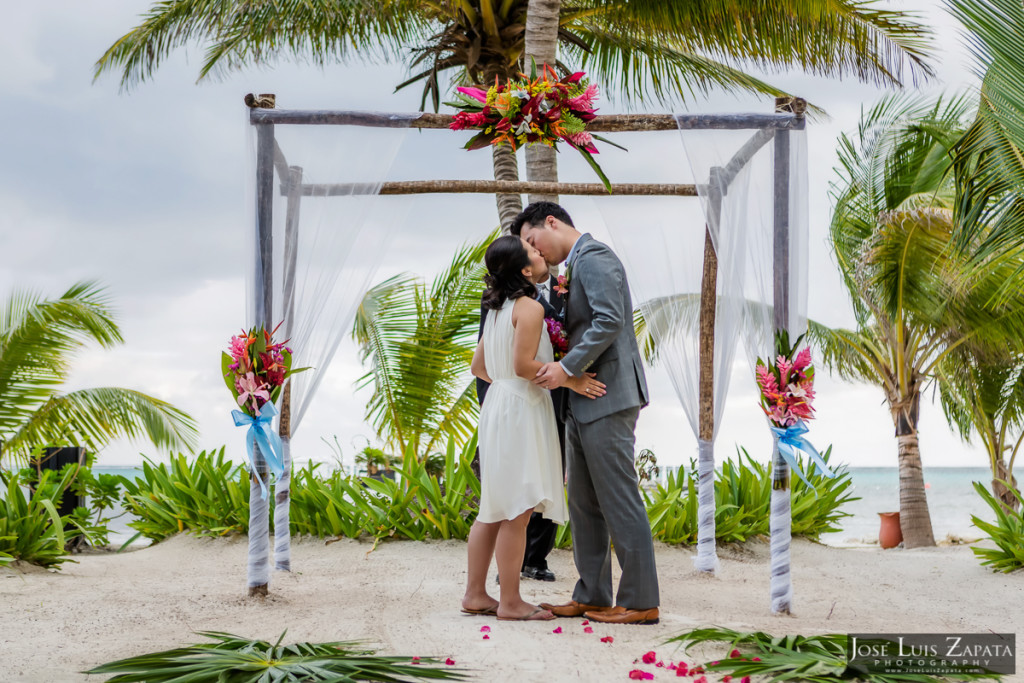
951,501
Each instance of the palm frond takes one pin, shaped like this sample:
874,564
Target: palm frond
419,342
238,33
94,417
833,39
245,660
38,340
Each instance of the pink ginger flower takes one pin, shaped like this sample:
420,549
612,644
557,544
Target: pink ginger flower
584,102
238,346
784,367
803,359
249,388
766,380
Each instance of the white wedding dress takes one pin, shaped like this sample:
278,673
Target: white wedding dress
520,464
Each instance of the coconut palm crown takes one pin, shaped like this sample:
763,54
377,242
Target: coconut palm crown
639,47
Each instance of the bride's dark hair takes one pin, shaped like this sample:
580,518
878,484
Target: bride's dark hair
505,259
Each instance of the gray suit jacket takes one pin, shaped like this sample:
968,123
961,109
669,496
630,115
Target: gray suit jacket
599,320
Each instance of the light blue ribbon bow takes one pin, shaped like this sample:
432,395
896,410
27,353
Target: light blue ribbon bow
269,442
790,440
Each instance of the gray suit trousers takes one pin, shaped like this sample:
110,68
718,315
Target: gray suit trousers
605,510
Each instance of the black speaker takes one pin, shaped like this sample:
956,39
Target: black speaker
55,459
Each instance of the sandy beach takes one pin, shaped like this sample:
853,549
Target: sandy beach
403,598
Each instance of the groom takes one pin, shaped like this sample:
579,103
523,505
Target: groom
604,498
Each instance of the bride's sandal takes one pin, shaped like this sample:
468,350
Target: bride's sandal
536,615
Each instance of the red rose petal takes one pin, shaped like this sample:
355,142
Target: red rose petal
756,659
485,629
681,671
726,679
486,637
415,660
650,657
588,629
586,622
734,654
607,639
449,661
557,630
660,664
638,675
745,679
702,679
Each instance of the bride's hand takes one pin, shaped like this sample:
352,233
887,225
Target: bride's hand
587,386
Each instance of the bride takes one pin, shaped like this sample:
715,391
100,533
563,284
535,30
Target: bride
520,465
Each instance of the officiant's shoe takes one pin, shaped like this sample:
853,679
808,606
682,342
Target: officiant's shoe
538,573
621,615
572,609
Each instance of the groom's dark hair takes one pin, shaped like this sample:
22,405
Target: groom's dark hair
535,214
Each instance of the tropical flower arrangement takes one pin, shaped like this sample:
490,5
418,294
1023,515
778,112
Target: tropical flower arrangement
787,385
531,109
254,369
787,391
559,337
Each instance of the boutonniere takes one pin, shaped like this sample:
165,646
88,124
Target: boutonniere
563,283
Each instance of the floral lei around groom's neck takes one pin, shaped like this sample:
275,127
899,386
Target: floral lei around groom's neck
531,109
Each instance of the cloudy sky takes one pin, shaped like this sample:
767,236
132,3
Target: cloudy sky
146,192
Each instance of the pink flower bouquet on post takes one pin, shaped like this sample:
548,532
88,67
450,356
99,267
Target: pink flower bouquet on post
787,391
254,369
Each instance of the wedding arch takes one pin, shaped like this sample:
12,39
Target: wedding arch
750,263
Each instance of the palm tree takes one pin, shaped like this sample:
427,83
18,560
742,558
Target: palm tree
639,48
990,157
983,395
38,338
419,342
916,298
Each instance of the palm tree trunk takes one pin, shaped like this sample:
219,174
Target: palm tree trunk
1003,493
915,521
707,558
542,47
506,166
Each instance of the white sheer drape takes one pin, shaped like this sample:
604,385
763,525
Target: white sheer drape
325,250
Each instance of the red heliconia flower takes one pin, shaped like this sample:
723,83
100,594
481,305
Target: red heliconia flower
650,657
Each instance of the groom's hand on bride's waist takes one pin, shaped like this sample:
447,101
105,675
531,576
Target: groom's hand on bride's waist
551,376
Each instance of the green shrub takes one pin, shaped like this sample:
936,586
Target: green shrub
1007,533
30,528
743,500
207,496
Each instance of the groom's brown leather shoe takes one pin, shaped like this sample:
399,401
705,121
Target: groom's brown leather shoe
621,615
572,609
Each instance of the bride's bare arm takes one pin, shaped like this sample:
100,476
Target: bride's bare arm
528,320
477,367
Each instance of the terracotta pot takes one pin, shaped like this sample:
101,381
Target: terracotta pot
890,535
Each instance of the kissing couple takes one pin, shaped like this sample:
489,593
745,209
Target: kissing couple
520,463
